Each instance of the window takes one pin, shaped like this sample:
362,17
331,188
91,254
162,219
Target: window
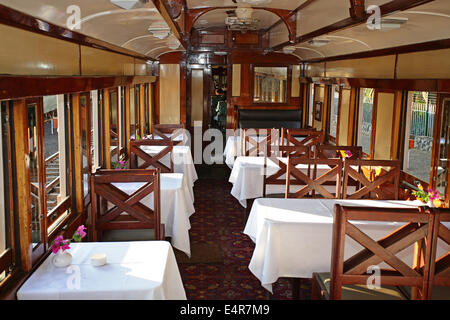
270,85
419,134
365,119
114,125
311,105
334,109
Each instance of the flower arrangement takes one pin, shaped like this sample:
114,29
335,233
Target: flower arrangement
429,195
63,244
120,165
346,154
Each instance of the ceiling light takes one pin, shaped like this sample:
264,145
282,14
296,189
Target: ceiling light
159,30
318,42
392,23
129,4
288,50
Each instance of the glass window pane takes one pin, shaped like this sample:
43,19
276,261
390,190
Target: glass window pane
51,152
33,154
419,135
366,113
270,84
334,110
114,121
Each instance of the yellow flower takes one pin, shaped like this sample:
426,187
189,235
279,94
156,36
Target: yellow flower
420,187
437,203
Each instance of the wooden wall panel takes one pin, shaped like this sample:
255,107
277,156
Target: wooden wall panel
433,64
99,62
236,84
369,68
315,70
343,117
197,96
383,135
169,94
141,68
295,91
28,53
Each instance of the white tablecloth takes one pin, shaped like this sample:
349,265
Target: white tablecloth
233,148
182,162
143,270
293,237
247,177
180,137
176,207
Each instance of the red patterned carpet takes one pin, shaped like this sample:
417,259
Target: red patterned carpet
219,219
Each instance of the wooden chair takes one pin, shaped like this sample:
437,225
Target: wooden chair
311,185
349,279
278,178
439,282
151,161
168,132
310,138
128,212
331,152
373,179
252,146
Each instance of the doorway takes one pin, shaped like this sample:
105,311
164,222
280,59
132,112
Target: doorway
218,97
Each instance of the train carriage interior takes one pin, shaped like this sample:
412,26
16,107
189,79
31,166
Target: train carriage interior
254,150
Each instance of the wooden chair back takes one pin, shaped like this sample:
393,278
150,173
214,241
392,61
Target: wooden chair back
373,179
169,132
418,227
278,177
440,265
313,184
309,137
151,161
128,211
331,152
258,142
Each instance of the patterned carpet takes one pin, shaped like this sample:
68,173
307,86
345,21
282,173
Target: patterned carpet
219,219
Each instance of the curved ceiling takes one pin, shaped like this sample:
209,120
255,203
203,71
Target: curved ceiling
102,20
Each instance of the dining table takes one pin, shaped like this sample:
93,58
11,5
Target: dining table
293,237
247,177
177,206
182,162
139,270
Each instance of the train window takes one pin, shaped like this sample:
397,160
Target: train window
123,121
85,103
114,125
5,220
133,115
95,145
54,151
137,111
311,105
365,119
36,172
419,134
334,110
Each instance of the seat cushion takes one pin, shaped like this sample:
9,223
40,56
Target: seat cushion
128,235
361,292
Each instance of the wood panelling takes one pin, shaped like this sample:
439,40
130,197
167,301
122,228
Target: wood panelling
169,93
236,85
295,91
343,117
142,68
424,65
384,120
77,152
212,39
98,62
23,181
315,70
28,53
372,68
246,38
197,96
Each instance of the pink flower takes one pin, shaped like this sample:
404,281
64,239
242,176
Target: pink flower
80,231
433,194
349,154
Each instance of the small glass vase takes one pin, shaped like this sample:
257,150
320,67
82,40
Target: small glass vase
62,259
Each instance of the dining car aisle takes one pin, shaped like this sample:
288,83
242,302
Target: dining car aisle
221,252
